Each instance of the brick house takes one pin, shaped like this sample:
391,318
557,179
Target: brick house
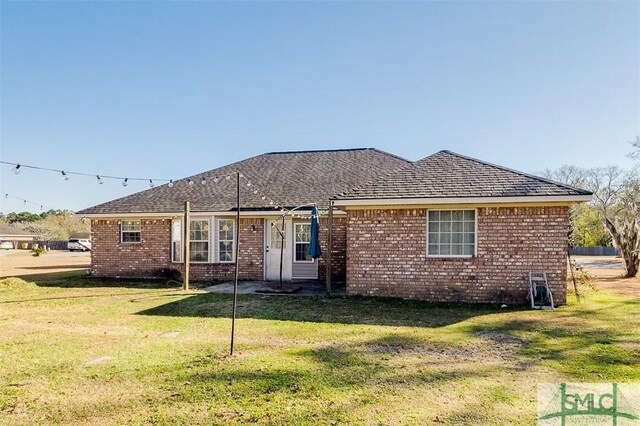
445,228
453,228
140,235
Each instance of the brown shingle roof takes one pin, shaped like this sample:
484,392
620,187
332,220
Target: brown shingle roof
289,178
447,174
9,230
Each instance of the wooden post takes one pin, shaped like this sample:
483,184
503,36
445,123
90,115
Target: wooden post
187,243
235,278
329,249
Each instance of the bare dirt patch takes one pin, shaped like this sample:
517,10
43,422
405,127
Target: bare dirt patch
608,272
20,263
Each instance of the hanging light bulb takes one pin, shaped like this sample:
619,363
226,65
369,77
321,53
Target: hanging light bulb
216,180
41,207
16,169
203,181
64,175
271,202
228,177
125,182
100,181
248,184
24,202
264,197
255,191
170,185
190,182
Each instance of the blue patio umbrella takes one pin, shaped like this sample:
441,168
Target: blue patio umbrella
314,245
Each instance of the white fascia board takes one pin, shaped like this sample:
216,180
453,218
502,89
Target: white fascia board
465,200
179,214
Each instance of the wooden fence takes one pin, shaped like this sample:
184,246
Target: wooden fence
594,251
51,245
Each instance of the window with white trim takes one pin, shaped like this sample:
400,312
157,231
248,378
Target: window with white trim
302,241
199,241
176,241
130,231
451,233
226,237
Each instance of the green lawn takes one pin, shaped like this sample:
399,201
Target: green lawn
76,350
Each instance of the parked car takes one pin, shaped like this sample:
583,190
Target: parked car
6,245
79,244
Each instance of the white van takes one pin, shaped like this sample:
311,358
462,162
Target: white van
79,244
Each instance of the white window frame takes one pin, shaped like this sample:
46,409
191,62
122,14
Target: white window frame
181,242
122,231
233,240
475,236
208,240
295,243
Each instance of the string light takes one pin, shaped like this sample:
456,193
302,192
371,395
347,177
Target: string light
19,167
25,202
151,182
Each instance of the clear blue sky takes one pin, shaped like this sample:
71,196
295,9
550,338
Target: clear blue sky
168,89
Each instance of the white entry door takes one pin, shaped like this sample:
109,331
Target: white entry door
272,245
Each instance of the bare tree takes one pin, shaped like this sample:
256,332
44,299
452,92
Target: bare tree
616,195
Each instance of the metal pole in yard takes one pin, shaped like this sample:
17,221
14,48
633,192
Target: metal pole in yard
235,278
329,247
186,250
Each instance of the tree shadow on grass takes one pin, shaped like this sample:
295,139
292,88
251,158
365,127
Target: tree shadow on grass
343,310
80,279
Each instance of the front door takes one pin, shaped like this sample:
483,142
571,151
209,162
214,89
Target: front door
273,244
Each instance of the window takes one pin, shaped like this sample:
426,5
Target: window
226,230
130,231
451,233
303,239
176,241
199,241
278,235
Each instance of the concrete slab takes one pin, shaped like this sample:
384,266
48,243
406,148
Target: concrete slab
308,288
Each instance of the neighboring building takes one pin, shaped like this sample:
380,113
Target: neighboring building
10,236
445,228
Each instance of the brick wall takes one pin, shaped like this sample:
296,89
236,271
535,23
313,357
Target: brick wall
387,255
111,258
339,245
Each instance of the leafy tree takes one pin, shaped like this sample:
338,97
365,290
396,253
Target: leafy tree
587,227
616,199
22,217
616,195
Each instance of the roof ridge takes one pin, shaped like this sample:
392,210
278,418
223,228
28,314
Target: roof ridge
310,151
508,169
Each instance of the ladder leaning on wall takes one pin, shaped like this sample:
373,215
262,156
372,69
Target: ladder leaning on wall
539,292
